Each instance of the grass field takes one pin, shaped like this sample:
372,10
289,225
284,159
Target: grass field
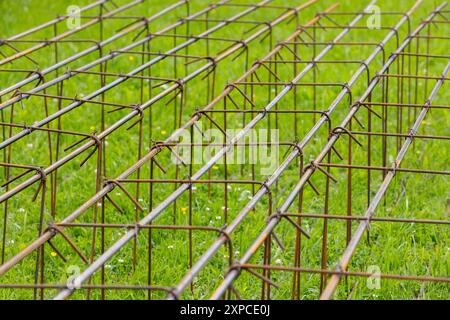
394,248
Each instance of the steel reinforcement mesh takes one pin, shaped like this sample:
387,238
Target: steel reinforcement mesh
237,149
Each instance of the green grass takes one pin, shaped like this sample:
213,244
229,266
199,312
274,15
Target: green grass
408,249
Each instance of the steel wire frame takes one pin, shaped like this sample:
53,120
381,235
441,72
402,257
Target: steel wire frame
39,74
59,83
178,84
109,185
138,24
174,292
54,23
121,77
47,42
192,181
388,173
225,239
98,263
59,131
238,44
299,147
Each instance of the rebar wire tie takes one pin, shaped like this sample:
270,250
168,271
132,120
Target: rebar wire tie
204,112
98,146
244,49
314,165
371,110
309,166
171,291
195,125
211,69
234,86
180,87
411,134
295,16
296,225
140,113
38,73
286,46
269,32
55,229
58,252
128,194
258,64
43,180
340,130
228,242
176,155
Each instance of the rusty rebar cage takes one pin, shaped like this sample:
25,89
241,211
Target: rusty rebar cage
147,230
